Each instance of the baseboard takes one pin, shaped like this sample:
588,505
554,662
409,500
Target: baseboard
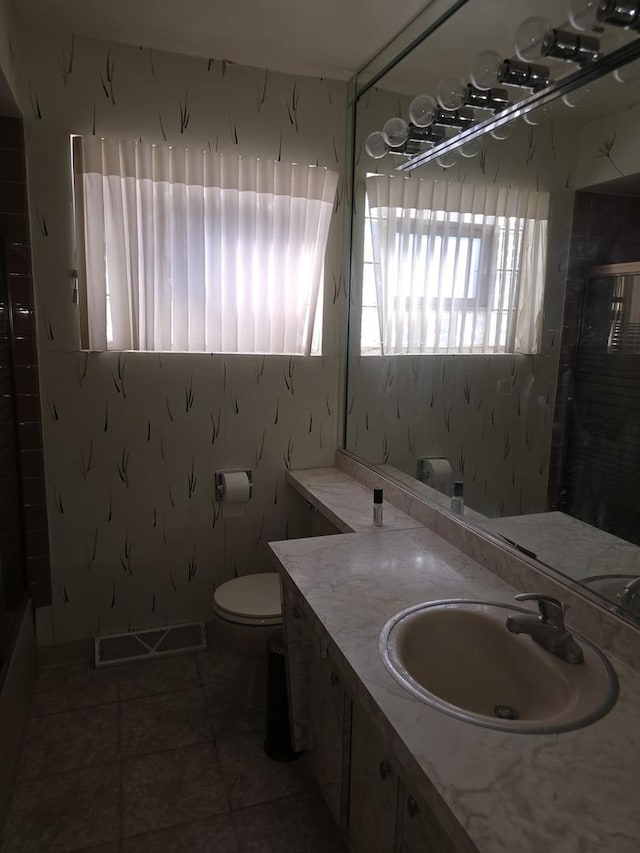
59,654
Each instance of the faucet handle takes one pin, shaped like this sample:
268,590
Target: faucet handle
551,610
630,597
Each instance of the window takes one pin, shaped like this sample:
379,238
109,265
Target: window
196,251
452,268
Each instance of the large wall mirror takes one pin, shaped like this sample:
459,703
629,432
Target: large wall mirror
494,334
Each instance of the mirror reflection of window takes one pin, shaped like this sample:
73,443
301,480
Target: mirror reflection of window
452,268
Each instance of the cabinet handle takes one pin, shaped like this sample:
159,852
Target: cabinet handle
334,679
385,769
412,807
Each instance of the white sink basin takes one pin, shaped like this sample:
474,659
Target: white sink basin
458,656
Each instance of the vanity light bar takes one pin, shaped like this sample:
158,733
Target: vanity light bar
455,118
535,38
620,14
525,75
571,47
494,99
587,74
420,140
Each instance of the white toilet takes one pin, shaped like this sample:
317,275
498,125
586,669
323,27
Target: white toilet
253,601
247,613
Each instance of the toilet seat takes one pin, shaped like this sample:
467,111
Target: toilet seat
250,600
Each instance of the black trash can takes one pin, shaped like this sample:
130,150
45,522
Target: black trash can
277,742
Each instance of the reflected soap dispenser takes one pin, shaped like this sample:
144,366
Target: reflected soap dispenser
457,501
377,507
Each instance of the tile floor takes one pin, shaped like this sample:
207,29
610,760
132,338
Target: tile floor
158,757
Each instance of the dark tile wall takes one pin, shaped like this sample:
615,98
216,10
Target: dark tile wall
20,417
604,231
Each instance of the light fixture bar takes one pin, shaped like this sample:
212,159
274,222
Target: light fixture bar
494,99
419,139
526,75
581,77
620,14
572,47
433,134
463,118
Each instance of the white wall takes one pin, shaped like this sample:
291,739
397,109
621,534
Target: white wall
491,416
134,549
608,147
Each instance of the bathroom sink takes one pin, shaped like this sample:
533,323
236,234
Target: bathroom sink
458,656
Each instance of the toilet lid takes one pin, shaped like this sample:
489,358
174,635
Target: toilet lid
251,595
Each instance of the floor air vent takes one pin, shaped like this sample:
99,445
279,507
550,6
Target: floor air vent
155,642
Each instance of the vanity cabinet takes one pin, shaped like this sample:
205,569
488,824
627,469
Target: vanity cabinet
329,729
319,705
362,781
419,830
298,633
373,789
385,816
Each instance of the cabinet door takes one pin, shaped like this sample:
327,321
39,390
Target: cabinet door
374,790
298,639
327,711
421,832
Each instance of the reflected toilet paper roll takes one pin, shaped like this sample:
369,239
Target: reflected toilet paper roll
437,473
236,491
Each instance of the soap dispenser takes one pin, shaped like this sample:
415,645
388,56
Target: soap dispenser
377,507
457,501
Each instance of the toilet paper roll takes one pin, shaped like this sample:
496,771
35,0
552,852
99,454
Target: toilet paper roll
236,491
437,473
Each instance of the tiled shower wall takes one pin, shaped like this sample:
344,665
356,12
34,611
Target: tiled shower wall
604,231
20,426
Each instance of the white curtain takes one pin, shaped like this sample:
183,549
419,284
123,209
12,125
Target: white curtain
458,267
188,250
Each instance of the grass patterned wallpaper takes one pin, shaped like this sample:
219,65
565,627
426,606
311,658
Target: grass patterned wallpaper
132,440
490,416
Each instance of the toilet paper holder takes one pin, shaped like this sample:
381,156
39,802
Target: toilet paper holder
220,481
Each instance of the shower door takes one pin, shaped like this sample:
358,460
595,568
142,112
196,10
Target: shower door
12,561
602,485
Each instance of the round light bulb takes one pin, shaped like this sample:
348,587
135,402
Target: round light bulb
470,149
395,132
629,73
532,37
486,69
502,132
451,93
577,97
537,116
422,110
583,14
375,145
446,160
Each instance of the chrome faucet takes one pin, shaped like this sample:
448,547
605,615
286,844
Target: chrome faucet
630,597
547,628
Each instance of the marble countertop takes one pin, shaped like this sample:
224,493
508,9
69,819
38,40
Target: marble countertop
574,792
345,502
572,547
426,492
